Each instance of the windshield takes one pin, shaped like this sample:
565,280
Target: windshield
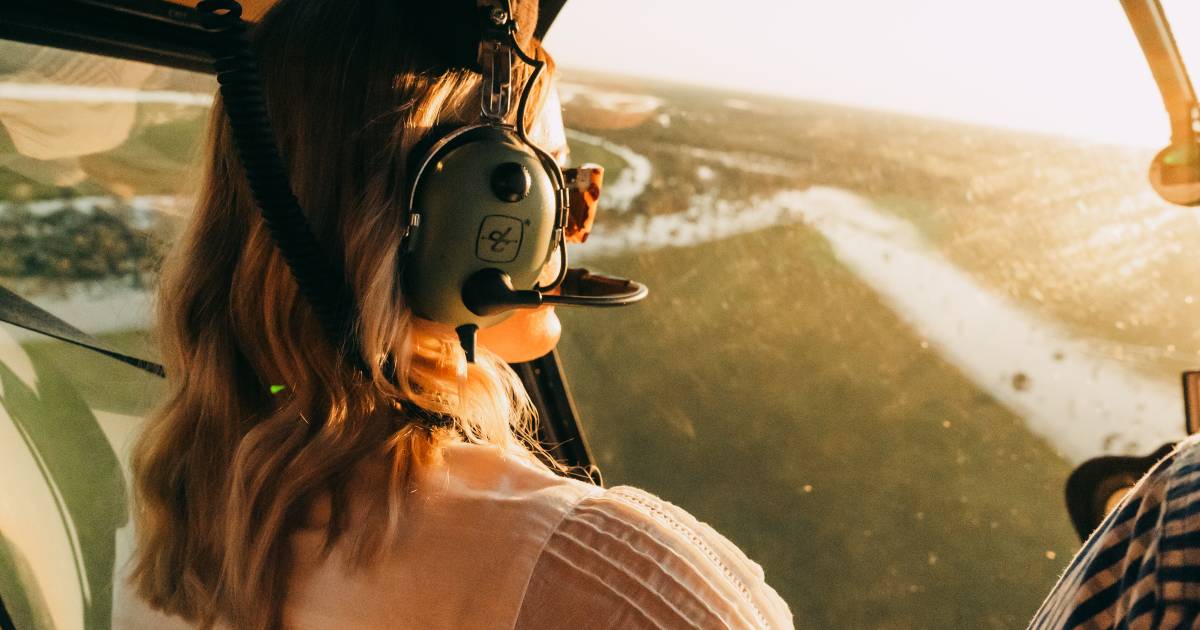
906,272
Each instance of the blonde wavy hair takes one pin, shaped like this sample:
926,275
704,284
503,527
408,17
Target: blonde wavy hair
225,469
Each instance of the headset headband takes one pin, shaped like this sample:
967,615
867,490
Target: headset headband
320,277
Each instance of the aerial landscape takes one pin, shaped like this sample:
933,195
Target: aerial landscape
876,344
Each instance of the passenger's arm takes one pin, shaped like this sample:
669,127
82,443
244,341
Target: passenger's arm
1141,567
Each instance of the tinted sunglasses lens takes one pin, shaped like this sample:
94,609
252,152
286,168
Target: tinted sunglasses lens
583,189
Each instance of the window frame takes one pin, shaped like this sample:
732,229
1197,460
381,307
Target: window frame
152,31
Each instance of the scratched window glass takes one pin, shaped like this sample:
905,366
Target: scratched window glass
95,159
876,343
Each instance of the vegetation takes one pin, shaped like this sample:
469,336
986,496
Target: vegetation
70,243
780,401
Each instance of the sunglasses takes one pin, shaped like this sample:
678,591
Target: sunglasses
583,194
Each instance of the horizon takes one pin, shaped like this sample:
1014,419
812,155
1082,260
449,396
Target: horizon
1071,69
651,81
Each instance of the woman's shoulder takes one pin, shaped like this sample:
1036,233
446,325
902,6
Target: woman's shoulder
626,558
472,523
485,473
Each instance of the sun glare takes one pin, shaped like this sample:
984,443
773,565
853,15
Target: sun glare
1071,67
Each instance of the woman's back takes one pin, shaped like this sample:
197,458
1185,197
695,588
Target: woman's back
303,478
494,540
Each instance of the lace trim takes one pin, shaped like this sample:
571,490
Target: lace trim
674,523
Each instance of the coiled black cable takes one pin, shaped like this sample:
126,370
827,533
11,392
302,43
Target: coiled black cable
320,277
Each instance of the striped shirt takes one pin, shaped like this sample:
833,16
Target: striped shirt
1141,567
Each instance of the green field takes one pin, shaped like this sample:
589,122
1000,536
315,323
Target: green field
877,486
771,391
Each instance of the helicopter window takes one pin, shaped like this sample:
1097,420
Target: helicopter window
96,155
877,343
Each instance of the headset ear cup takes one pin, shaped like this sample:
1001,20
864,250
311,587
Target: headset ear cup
481,199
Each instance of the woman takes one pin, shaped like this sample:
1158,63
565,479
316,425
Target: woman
276,489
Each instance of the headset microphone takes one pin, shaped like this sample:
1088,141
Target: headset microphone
490,291
490,209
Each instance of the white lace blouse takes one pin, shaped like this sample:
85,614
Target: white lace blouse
494,541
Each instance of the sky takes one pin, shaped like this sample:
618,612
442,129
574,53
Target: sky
1070,67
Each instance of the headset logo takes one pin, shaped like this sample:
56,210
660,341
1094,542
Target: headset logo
499,239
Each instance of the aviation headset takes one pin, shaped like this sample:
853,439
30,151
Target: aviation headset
488,207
